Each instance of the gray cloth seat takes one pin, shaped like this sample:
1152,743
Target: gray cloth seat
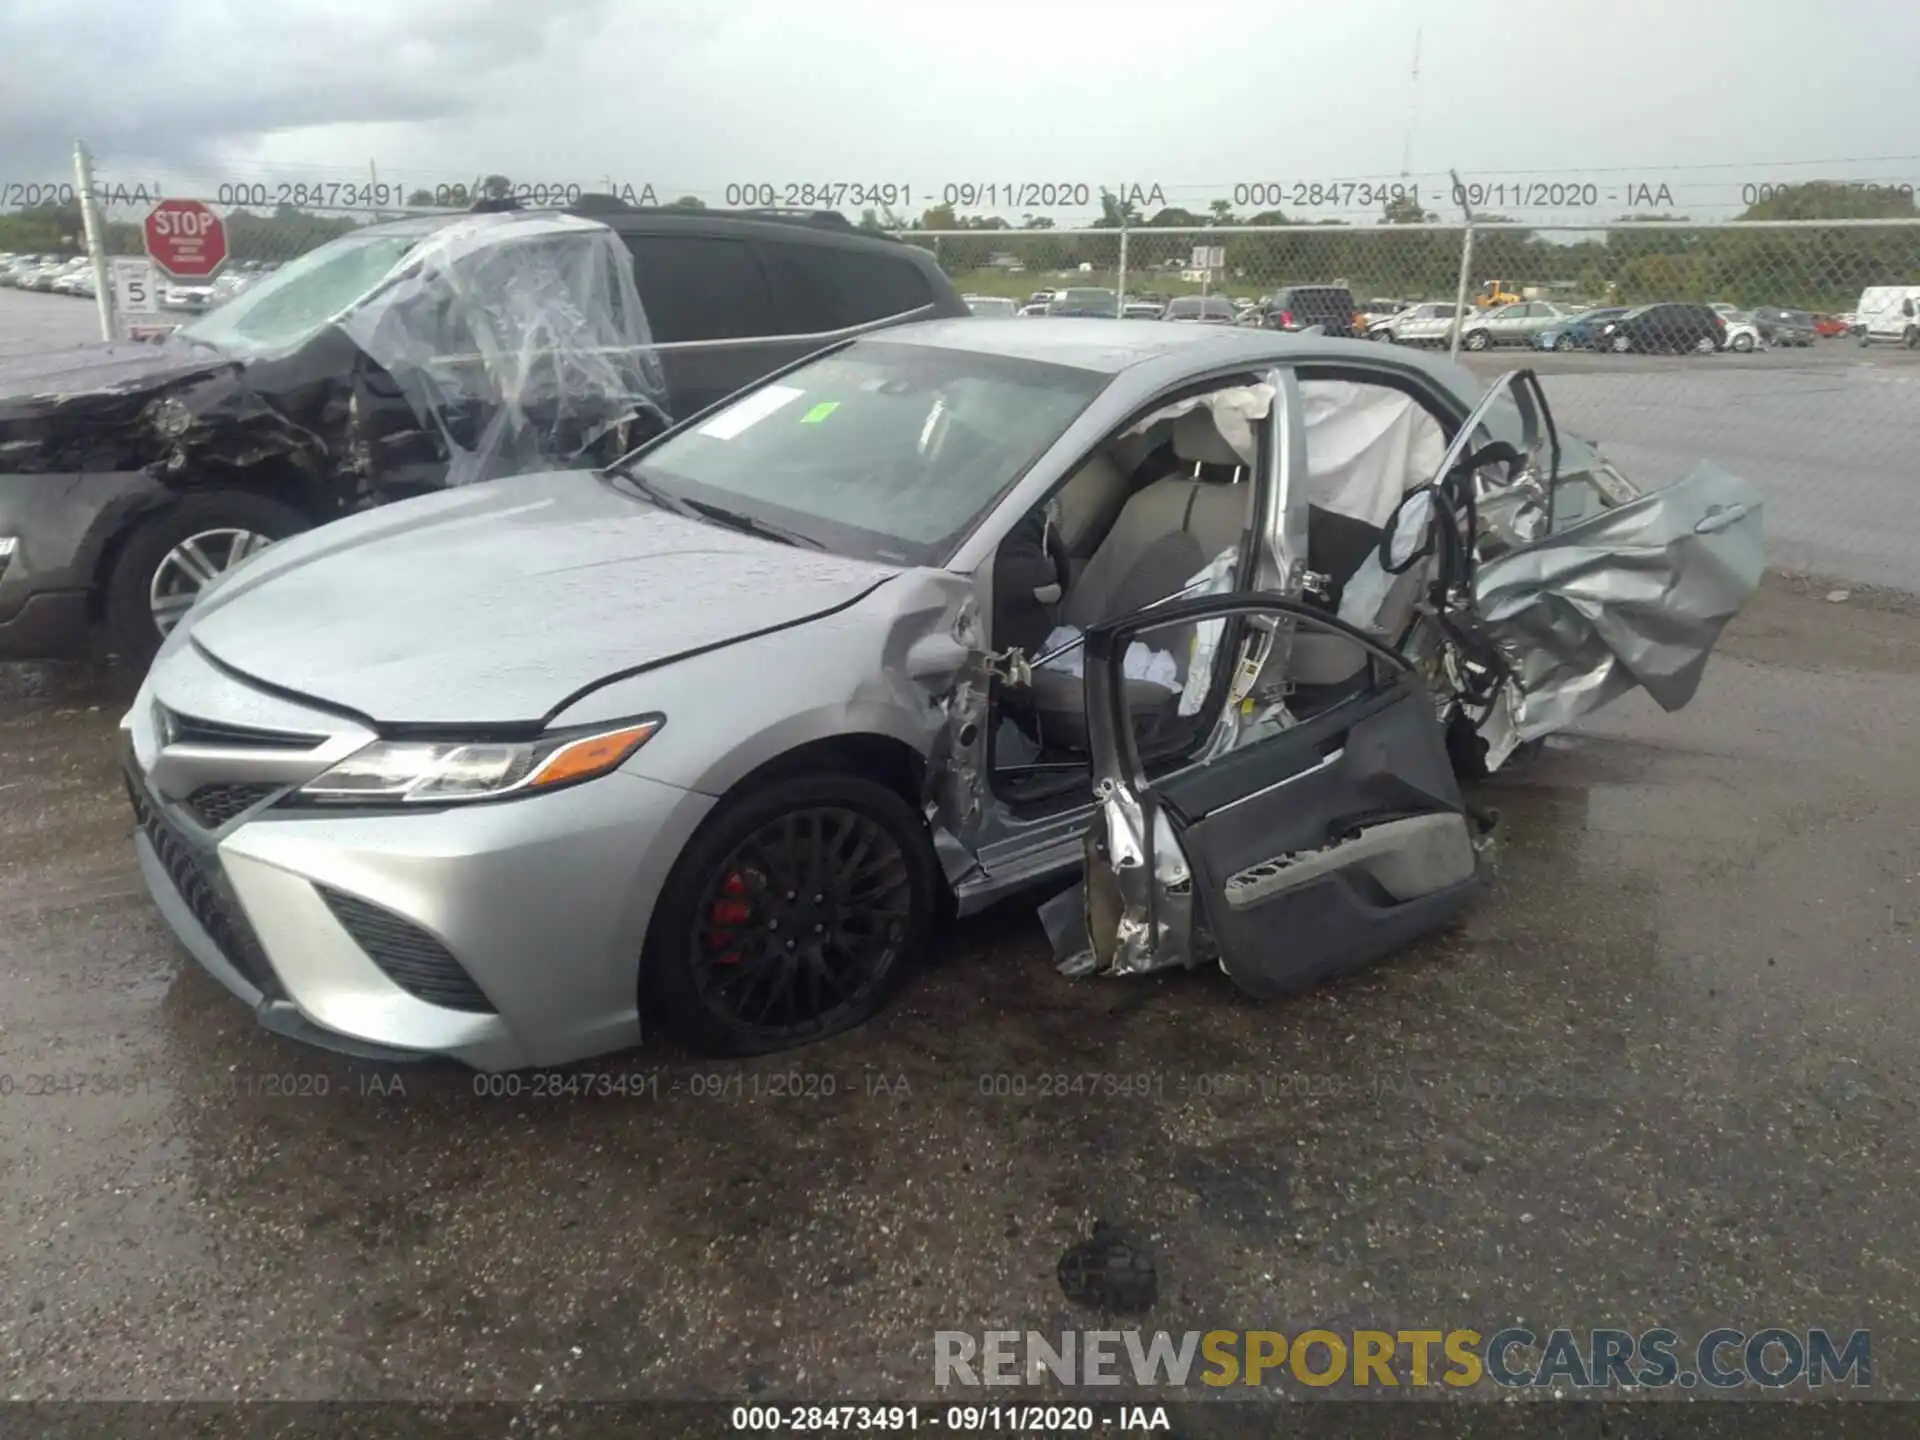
1162,537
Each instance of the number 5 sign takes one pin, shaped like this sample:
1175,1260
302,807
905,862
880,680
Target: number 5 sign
136,296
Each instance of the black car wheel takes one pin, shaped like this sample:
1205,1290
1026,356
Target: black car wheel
1621,344
792,915
158,571
1705,345
1912,338
1563,343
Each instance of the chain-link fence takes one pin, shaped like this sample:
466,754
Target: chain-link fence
1783,348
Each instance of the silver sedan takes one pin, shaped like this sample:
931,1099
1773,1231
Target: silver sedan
715,735
1513,324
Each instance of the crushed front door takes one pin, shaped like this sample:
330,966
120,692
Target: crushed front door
1313,847
1631,594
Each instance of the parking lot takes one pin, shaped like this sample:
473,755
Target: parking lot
1663,1076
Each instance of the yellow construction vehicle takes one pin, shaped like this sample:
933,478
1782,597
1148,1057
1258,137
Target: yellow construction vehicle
1497,292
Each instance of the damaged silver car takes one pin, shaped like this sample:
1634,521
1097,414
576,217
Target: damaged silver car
1212,616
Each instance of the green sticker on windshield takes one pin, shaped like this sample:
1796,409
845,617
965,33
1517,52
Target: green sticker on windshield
819,412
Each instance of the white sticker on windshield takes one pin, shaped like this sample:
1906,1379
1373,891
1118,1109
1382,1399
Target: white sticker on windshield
750,411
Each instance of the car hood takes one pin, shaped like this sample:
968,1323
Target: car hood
495,604
35,384
86,409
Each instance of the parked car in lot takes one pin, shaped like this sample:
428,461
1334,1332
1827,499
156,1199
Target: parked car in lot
1430,322
1784,327
1202,309
991,307
186,295
715,734
75,282
396,360
1085,302
1301,307
1513,324
1889,315
1380,308
1668,328
1830,327
1142,309
1743,333
1579,331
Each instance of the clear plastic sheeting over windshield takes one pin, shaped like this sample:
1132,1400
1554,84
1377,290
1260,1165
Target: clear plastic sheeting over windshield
288,307
521,339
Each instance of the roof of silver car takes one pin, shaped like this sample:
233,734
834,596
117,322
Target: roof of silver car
1110,346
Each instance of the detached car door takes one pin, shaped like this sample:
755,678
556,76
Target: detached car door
1310,847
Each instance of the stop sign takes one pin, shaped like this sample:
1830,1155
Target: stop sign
186,239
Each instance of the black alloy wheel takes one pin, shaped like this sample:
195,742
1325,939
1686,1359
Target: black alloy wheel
793,916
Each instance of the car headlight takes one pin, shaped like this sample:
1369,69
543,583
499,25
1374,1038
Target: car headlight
436,772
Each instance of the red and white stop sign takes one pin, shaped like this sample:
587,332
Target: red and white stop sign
186,240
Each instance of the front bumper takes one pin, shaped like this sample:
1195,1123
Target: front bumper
535,908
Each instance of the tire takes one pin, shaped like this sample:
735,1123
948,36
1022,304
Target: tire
1621,344
708,920
1477,340
134,587
1705,345
1912,339
1564,344
1741,344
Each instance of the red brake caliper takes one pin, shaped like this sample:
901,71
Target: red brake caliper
729,912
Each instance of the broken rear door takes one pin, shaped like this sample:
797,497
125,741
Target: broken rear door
1319,843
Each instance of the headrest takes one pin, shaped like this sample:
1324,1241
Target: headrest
1197,440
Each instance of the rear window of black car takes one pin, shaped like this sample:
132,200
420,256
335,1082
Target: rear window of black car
701,287
828,287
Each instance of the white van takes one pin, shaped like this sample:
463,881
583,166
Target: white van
1889,314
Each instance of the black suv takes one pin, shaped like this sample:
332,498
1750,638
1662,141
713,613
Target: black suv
394,361
1668,328
1299,306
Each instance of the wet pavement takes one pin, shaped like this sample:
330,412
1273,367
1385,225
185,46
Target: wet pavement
1664,1075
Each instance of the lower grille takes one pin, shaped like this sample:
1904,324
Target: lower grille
214,805
407,955
205,892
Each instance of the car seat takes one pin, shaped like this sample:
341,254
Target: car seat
1165,534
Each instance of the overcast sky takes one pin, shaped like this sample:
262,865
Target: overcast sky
691,95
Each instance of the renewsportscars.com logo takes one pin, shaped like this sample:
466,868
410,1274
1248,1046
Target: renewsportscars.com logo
1560,1359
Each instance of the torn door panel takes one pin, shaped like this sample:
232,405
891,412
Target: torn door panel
1635,596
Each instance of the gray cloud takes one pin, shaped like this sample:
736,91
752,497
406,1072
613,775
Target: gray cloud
177,82
692,95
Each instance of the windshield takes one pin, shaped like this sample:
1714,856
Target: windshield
286,307
1085,297
880,450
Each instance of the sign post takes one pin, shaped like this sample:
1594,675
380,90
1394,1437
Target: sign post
186,240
